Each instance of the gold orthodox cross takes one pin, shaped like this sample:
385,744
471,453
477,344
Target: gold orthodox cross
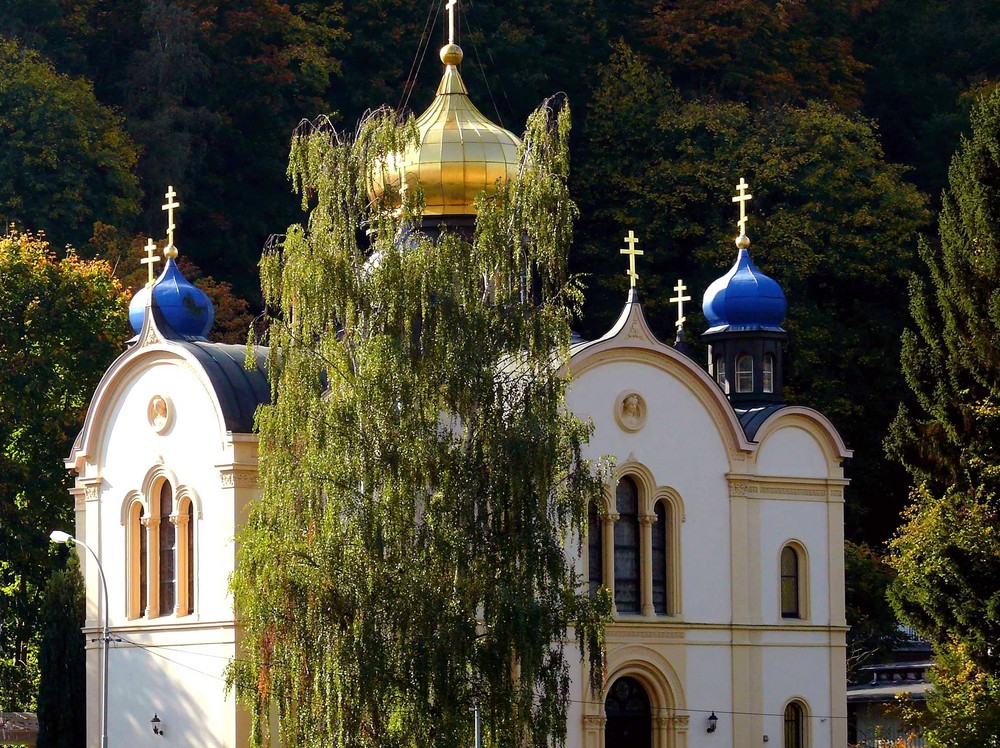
631,240
742,199
451,20
679,299
149,259
170,251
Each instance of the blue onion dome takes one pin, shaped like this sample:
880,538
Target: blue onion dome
185,307
744,298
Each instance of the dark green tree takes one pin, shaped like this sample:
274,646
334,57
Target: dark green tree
831,221
421,473
62,690
62,322
947,553
67,161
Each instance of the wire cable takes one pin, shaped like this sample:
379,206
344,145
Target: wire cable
421,53
475,51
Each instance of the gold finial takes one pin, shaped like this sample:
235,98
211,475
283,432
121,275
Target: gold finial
451,53
631,240
170,251
149,259
679,299
742,241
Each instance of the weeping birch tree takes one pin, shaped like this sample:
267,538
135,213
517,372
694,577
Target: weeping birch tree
424,485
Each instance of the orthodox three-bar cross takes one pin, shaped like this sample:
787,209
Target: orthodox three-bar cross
742,199
170,205
679,299
149,259
631,240
451,20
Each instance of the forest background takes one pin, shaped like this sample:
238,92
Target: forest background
843,115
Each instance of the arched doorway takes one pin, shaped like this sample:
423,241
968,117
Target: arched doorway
629,717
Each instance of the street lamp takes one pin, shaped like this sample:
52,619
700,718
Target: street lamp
58,536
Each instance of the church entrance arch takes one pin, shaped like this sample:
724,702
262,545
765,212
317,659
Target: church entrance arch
629,715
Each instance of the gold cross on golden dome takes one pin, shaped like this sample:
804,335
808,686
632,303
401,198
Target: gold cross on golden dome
451,20
149,259
742,199
679,299
170,251
631,240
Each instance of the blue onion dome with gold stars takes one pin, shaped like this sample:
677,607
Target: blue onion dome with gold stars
744,298
185,307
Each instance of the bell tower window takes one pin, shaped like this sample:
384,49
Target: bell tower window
768,373
744,373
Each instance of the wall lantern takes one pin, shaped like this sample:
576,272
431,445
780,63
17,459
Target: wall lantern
156,722
713,722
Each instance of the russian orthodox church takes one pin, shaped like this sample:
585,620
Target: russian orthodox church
721,540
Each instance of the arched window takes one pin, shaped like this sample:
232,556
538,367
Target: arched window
659,553
185,556
595,548
744,373
168,543
790,583
190,557
627,563
767,370
137,562
720,374
795,726
629,716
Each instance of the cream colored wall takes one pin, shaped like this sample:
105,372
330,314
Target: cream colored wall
729,651
168,665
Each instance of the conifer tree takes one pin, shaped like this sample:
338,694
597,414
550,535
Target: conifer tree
62,693
947,553
424,486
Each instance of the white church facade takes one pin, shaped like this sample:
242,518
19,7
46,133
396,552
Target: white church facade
721,540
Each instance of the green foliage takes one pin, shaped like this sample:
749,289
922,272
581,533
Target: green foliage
62,692
421,473
831,221
947,553
874,630
67,161
963,709
61,324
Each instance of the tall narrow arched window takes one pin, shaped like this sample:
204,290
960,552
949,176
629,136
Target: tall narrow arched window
190,557
659,560
744,373
790,602
168,543
767,372
143,568
137,564
720,374
795,726
595,548
627,563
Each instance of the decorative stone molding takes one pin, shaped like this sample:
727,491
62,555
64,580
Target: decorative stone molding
630,411
647,519
92,493
771,487
239,479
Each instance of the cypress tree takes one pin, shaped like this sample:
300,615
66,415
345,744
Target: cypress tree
62,691
422,478
947,552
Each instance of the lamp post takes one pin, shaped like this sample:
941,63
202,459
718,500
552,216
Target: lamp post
58,536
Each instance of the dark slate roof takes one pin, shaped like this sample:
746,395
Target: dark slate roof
239,390
752,417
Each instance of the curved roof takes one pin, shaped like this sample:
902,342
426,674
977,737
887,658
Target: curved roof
236,390
744,299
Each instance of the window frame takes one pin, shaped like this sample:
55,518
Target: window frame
801,582
741,374
767,373
634,519
800,724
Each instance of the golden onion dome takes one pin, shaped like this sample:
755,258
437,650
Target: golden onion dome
460,152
